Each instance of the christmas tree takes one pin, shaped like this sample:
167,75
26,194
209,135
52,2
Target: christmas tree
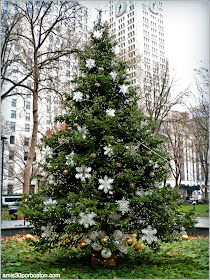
104,171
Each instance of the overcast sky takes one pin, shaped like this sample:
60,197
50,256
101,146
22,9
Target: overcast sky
186,36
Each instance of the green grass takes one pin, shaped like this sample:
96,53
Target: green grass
200,210
177,260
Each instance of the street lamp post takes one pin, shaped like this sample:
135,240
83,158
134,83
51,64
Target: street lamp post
3,138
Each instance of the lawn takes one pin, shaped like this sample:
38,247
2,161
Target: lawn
183,259
200,210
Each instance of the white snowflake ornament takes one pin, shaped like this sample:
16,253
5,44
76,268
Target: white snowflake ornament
83,172
116,50
113,75
105,184
124,88
123,205
108,151
90,63
110,112
87,219
82,130
69,159
97,34
78,96
149,234
117,234
48,151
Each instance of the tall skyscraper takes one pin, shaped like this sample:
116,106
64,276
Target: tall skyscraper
138,27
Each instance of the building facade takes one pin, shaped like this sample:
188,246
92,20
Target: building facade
138,27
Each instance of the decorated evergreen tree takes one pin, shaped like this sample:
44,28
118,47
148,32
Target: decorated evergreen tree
103,174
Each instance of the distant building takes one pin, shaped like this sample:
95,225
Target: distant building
138,27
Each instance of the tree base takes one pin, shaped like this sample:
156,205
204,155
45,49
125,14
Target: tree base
96,258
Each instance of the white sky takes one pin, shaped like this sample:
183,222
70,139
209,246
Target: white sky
186,36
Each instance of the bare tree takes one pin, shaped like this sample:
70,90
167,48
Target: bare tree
174,130
200,123
156,94
29,62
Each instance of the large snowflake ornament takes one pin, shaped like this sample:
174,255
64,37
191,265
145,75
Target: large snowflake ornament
149,234
90,63
48,151
87,219
108,151
113,75
82,130
83,172
110,112
47,231
123,205
132,149
124,88
69,159
105,184
78,96
97,34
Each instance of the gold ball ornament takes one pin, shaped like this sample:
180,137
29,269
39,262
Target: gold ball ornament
131,185
151,174
65,172
134,235
83,244
129,241
185,237
69,128
137,246
93,155
97,85
118,165
83,238
100,69
149,153
104,240
75,124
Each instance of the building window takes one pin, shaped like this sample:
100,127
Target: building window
29,83
27,127
48,121
28,95
12,139
28,105
26,142
10,171
14,102
11,155
34,157
25,155
13,114
10,189
12,126
27,116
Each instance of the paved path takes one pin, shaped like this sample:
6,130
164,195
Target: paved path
202,223
13,223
